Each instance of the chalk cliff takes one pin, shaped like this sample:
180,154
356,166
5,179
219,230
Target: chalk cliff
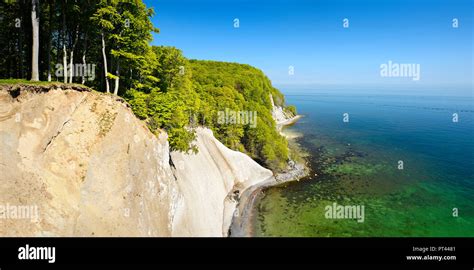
93,169
279,114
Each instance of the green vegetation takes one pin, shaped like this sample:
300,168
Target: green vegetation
22,81
105,45
241,88
291,109
80,41
180,94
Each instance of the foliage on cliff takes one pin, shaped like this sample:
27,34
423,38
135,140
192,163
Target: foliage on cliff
185,93
106,45
102,44
241,88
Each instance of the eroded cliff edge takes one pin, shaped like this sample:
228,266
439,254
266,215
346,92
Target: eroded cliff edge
93,169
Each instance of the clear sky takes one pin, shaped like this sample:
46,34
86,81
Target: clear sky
309,35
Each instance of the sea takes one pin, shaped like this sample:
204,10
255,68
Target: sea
405,158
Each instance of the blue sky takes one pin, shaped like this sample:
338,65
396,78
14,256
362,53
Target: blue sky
309,36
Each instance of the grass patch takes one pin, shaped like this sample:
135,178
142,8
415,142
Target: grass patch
41,83
27,82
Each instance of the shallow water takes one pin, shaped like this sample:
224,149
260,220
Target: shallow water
357,163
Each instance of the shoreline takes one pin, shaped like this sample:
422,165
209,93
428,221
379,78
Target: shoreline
242,221
280,125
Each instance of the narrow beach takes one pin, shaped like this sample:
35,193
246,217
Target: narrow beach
243,220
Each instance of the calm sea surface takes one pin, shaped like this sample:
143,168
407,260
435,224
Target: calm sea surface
358,163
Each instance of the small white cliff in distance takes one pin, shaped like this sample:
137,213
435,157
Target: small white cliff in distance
279,114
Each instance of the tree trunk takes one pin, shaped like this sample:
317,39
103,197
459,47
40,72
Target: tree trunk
71,66
19,65
58,47
105,64
64,45
64,62
35,45
58,55
84,64
117,79
51,10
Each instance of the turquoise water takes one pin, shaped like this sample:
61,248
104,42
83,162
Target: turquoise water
357,163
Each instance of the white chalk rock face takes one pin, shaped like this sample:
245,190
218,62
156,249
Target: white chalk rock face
79,163
279,114
209,182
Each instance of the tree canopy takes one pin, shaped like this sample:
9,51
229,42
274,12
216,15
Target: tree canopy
185,93
105,45
77,38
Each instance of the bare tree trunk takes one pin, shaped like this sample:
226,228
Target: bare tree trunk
64,45
19,65
107,88
84,64
35,45
51,10
58,55
64,62
117,78
71,66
